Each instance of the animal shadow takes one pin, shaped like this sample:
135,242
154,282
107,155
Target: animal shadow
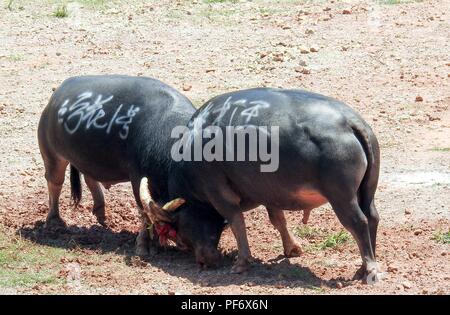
278,272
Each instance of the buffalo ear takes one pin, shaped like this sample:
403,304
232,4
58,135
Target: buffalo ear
173,205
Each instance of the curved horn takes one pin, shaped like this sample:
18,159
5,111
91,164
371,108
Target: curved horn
173,205
146,199
151,209
144,194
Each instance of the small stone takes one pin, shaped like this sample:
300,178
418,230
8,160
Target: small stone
187,87
302,63
58,53
408,211
419,98
327,9
302,70
443,253
262,55
392,268
306,71
424,291
418,232
346,11
278,58
314,49
309,31
171,292
304,50
407,284
339,285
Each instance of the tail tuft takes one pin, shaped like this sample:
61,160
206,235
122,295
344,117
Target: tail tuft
75,185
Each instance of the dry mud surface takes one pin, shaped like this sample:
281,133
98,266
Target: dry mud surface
387,59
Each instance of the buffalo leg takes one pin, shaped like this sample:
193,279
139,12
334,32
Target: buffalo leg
373,219
237,224
290,245
54,174
226,202
353,219
99,201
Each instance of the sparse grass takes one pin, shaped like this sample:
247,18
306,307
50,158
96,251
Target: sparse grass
9,5
217,15
307,232
92,3
15,57
318,290
437,149
397,1
25,264
334,240
267,11
321,239
61,11
220,1
442,237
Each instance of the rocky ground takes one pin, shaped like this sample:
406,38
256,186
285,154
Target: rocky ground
387,59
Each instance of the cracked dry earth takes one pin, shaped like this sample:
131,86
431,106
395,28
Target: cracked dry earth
387,59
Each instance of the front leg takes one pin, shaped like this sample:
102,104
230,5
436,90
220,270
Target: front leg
227,203
237,224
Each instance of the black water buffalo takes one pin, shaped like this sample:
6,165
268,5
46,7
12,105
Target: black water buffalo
111,129
321,151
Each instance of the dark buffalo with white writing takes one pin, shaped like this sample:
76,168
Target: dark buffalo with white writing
326,152
112,129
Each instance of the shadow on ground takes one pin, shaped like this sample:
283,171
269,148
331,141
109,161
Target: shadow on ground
276,272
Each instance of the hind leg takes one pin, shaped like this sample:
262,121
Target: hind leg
54,174
290,245
353,219
99,200
373,218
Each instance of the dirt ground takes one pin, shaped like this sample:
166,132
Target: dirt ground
387,59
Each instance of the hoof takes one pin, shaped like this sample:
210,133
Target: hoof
142,251
368,274
294,251
240,266
102,221
55,222
99,213
372,277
